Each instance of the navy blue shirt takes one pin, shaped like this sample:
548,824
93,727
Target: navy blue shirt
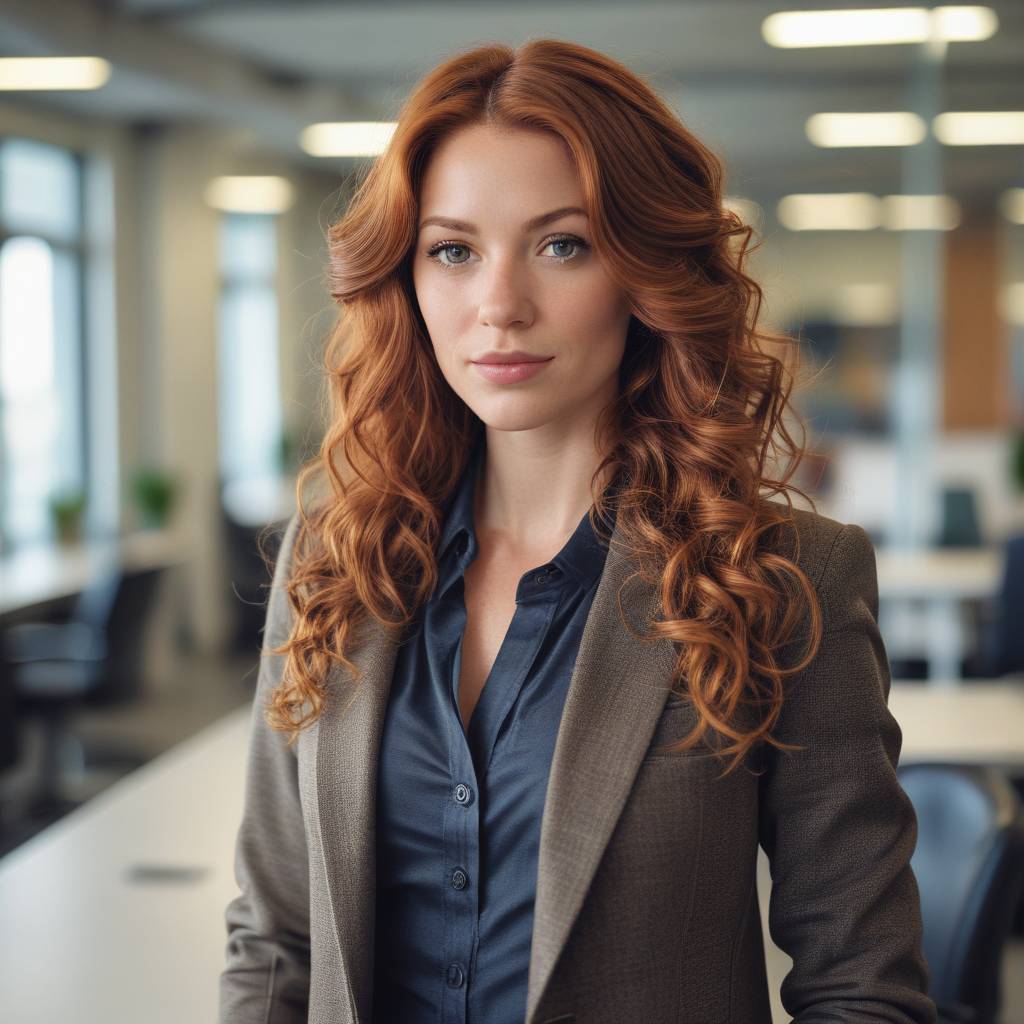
459,812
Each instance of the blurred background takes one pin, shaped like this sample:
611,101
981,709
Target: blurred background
168,169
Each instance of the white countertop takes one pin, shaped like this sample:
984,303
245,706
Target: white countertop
82,941
46,572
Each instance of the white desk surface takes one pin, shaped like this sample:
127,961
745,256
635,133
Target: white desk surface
967,721
45,572
80,941
939,572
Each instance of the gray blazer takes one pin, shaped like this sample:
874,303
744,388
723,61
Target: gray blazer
646,903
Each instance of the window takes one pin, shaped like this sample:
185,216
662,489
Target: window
42,385
250,401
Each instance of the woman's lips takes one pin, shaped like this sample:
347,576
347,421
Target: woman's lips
509,373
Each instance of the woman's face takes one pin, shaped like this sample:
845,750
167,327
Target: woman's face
495,282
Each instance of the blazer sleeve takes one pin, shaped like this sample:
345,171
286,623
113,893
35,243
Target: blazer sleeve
266,976
838,828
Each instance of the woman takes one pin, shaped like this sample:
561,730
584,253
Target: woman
549,468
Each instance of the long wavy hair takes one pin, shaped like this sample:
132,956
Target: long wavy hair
691,440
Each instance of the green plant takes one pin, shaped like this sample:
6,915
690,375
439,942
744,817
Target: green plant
1018,461
155,492
67,510
286,450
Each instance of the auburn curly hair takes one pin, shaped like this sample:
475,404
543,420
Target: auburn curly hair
691,441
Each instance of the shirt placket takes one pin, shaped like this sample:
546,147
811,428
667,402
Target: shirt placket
537,599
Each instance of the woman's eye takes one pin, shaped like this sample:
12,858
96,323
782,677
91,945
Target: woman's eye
565,241
447,247
454,251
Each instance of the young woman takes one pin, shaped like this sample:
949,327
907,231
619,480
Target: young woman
546,659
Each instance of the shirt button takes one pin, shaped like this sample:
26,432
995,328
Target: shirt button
459,879
455,977
463,794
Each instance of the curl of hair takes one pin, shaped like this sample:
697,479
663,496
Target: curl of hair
693,437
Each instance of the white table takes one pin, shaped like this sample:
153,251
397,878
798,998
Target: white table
47,572
940,580
81,941
976,722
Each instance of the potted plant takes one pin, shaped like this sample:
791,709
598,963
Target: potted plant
155,492
67,511
1017,462
287,449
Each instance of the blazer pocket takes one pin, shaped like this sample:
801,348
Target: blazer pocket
676,721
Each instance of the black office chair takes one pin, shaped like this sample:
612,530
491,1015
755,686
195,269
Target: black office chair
247,549
969,865
10,747
1006,637
960,525
93,660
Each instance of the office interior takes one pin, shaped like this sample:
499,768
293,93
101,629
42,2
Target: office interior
168,169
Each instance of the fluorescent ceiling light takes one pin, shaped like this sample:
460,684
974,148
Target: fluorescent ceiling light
249,194
1011,202
920,213
861,211
980,128
44,73
830,211
894,128
867,305
904,128
347,138
878,26
1011,303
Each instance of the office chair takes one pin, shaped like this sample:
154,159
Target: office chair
248,577
960,526
1006,637
969,866
9,740
9,745
93,660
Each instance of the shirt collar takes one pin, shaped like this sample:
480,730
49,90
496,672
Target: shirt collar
582,556
459,515
457,546
584,553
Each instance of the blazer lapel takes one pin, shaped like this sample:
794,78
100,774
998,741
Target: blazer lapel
348,742
617,691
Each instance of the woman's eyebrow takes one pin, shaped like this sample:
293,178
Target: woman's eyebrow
530,225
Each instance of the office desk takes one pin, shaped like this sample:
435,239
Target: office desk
83,941
976,722
939,580
48,572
